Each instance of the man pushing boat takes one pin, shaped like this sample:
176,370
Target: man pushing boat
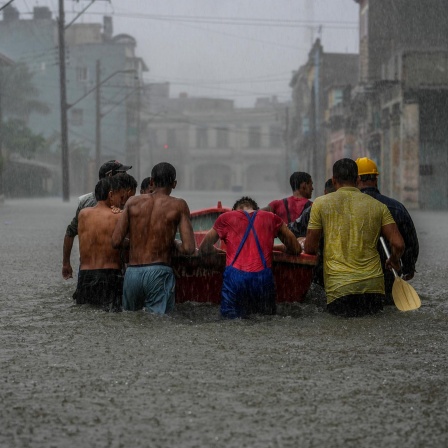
248,281
151,220
100,279
290,208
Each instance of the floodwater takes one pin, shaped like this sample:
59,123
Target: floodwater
74,376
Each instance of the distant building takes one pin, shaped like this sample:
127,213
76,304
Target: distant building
319,89
213,144
400,107
93,55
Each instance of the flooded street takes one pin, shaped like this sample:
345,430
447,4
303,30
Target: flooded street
74,376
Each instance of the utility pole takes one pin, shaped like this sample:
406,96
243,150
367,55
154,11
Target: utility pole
98,114
138,142
63,94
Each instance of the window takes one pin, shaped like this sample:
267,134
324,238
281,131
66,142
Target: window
153,137
76,117
222,137
254,137
201,138
275,137
305,125
38,67
338,96
171,138
82,74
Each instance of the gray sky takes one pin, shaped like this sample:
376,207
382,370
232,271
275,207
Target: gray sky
237,49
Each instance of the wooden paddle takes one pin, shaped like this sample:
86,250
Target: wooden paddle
404,295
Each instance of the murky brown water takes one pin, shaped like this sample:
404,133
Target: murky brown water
73,376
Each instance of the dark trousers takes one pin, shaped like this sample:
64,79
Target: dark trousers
245,293
356,305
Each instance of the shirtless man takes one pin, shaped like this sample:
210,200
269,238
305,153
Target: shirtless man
100,280
108,169
151,220
145,187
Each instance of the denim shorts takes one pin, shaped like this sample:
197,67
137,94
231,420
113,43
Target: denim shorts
151,287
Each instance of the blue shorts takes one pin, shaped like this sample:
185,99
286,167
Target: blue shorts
244,293
149,286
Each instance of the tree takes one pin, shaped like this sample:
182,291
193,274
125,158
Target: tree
19,138
18,99
18,95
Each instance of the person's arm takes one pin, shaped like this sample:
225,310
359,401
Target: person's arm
312,241
121,229
300,225
410,254
69,238
393,235
67,270
285,235
207,245
187,245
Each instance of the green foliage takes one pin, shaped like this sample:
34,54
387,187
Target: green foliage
18,93
18,138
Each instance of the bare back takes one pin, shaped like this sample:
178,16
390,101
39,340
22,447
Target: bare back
95,228
153,220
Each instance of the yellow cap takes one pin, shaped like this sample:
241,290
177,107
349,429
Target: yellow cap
366,166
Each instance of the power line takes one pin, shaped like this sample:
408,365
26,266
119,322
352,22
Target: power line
241,21
246,21
5,5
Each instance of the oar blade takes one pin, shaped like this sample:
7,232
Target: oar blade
405,296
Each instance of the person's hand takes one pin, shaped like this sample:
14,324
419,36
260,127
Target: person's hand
409,276
393,264
301,241
115,210
67,271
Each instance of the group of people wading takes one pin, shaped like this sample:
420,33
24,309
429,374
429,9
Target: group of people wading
126,242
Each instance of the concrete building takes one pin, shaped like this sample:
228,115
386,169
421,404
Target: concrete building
105,120
400,107
214,145
318,87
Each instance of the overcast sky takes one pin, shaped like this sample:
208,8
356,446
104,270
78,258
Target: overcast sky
237,49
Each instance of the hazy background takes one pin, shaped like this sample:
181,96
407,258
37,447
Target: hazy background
238,50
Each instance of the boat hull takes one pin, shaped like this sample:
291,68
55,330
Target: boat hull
199,278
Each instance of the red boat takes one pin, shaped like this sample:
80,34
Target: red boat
199,279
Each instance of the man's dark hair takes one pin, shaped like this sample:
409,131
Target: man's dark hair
247,201
367,177
145,183
163,174
329,187
102,189
345,170
124,181
298,178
